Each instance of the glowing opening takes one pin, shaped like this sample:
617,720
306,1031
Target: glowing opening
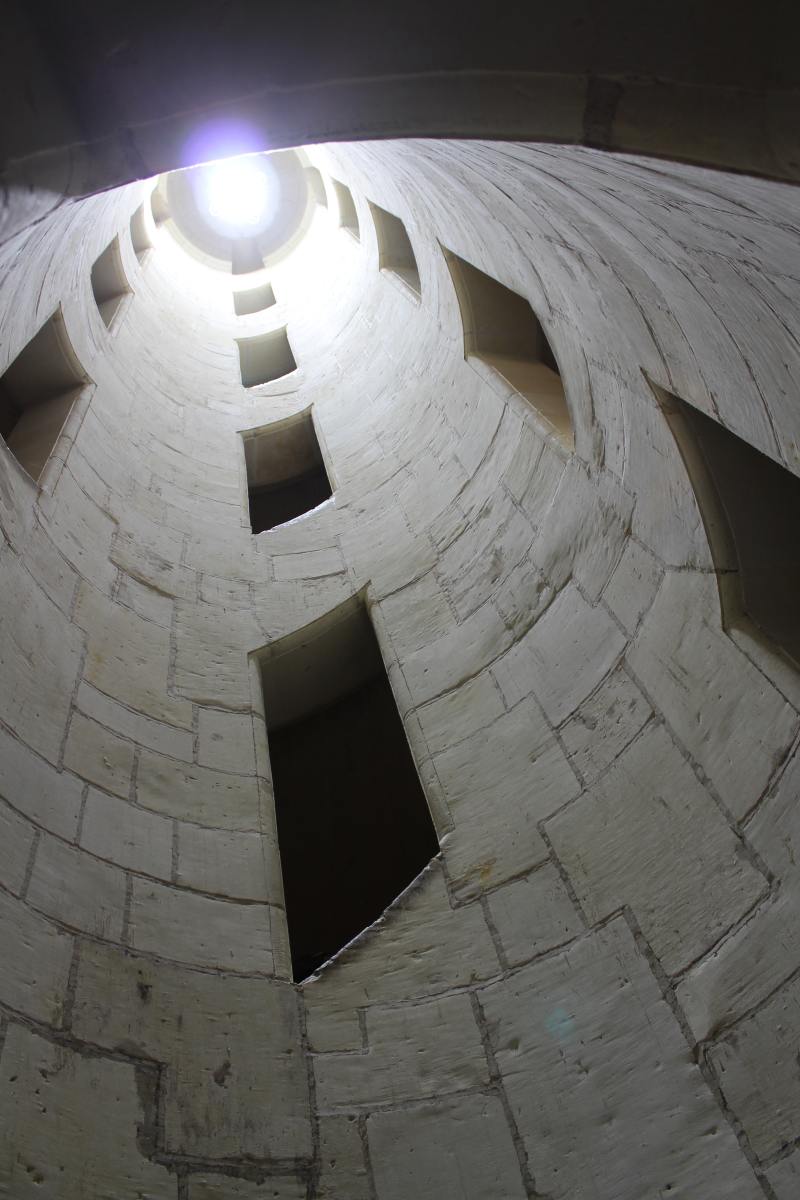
238,195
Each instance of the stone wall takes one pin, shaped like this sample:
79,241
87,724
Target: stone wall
591,992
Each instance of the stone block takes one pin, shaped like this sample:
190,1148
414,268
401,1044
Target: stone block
461,713
533,915
48,1146
343,1171
167,739
605,724
713,697
36,958
421,1151
197,794
601,1082
16,839
228,864
201,931
98,755
515,769
77,889
420,1050
632,588
225,741
228,1187
235,1081
50,798
686,881
126,835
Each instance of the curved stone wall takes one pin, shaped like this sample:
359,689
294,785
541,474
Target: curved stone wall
591,991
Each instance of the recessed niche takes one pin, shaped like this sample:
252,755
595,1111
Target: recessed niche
265,358
159,206
140,239
37,392
395,252
316,186
502,330
246,256
348,217
254,300
109,284
286,475
354,829
750,507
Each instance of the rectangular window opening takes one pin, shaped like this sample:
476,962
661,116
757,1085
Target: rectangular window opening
750,507
37,392
286,474
109,283
395,252
140,239
502,330
354,828
159,206
348,217
316,185
253,300
264,358
246,256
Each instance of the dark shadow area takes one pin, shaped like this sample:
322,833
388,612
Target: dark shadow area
271,506
354,827
750,507
37,392
286,475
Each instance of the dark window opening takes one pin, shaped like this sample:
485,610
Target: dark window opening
286,475
348,217
254,300
265,358
354,829
37,392
395,252
140,239
316,186
502,330
750,507
109,284
246,256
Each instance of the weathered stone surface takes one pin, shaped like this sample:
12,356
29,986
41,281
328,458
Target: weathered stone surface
343,1171
400,958
126,835
605,724
784,1177
229,864
49,1149
421,1151
689,882
225,741
420,1050
36,958
236,1082
50,798
228,1187
601,1082
77,889
631,589
98,755
16,840
200,930
534,914
190,793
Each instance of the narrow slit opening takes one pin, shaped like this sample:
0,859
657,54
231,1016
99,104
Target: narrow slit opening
395,252
502,330
37,392
140,239
316,185
348,217
752,530
286,474
265,358
109,282
354,828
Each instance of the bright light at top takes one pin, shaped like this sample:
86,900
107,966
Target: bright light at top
237,197
238,193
